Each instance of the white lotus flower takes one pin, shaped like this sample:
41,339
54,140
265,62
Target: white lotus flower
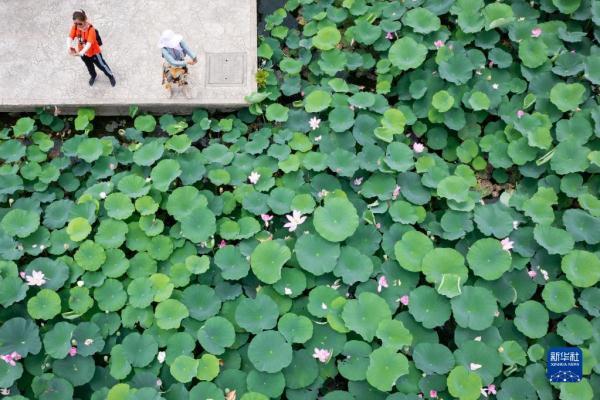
474,366
314,123
295,219
254,177
36,278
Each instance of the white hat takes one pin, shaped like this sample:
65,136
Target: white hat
170,39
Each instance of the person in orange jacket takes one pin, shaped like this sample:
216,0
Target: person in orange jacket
85,42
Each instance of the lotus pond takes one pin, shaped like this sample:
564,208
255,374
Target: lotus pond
407,209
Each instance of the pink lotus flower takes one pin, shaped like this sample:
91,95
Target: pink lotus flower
358,181
222,244
22,274
418,147
507,244
295,219
532,274
36,278
266,219
11,358
73,351
254,177
490,64
382,283
322,355
520,113
314,123
438,44
491,389
433,394
5,391
389,36
396,192
536,32
404,300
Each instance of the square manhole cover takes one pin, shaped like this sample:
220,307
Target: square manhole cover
226,69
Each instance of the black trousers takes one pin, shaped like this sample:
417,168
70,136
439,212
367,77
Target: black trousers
98,61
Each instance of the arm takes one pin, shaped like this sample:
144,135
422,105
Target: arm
85,49
70,38
171,60
91,39
187,50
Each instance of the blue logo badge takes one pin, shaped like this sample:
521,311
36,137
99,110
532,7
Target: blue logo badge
565,364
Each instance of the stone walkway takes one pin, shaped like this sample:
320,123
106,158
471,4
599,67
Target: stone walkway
35,69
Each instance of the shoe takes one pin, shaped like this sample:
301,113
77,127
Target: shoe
92,80
187,92
112,80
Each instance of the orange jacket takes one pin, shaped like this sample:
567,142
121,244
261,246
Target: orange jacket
85,40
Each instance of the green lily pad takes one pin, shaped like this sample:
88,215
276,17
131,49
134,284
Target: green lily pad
364,314
44,305
267,259
385,367
463,384
216,335
487,259
581,267
336,220
407,54
531,319
270,352
567,96
20,223
475,308
170,313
